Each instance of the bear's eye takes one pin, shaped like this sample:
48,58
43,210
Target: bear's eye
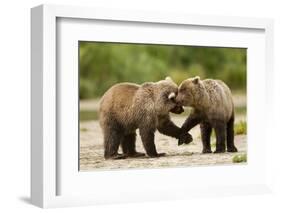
172,95
173,100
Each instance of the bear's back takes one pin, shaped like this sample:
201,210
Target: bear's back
118,97
220,97
117,101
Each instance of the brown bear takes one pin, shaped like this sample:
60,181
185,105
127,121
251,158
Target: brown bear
126,107
213,107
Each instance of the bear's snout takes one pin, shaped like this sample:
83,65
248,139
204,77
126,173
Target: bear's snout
177,109
179,99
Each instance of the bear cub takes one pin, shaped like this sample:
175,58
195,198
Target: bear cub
126,107
213,108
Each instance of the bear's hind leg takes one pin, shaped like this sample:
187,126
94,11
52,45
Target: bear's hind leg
206,130
112,141
230,136
220,130
128,145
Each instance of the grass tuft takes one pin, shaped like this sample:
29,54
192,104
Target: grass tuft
241,158
240,128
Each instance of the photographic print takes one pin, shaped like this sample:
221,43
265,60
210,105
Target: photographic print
159,106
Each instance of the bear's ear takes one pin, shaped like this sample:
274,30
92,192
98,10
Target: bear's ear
196,80
168,78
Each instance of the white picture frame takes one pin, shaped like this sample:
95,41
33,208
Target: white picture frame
46,162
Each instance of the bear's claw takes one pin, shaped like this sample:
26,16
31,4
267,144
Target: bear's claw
185,138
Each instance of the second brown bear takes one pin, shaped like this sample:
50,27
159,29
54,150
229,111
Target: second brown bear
213,107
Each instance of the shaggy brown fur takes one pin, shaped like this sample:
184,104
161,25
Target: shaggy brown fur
213,107
126,107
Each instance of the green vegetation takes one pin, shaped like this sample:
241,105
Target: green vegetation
240,128
88,115
103,64
83,129
213,134
240,158
213,144
240,110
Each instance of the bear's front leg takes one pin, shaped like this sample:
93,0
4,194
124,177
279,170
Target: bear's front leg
167,127
193,119
185,138
147,137
220,130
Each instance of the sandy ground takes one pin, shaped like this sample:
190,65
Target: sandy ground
91,150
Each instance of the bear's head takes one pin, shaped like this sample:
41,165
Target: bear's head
191,92
165,97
